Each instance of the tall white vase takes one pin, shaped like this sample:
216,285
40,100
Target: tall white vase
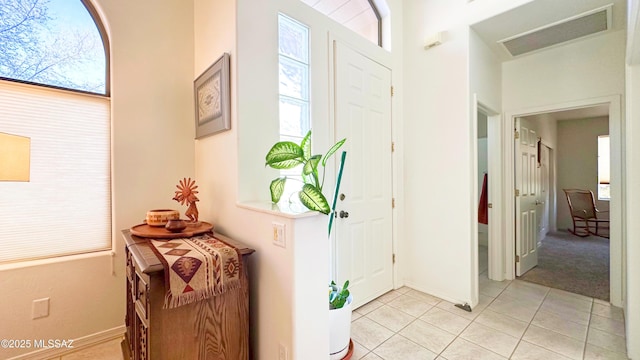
340,330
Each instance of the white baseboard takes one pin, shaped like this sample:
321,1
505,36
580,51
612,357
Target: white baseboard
440,296
78,344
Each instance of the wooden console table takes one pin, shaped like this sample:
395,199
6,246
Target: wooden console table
216,328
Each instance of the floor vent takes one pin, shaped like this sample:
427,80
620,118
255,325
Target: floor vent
576,27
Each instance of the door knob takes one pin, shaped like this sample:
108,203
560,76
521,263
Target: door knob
344,214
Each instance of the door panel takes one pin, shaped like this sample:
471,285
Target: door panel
525,174
357,246
363,240
527,182
533,175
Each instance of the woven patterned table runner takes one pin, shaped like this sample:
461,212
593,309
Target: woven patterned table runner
197,268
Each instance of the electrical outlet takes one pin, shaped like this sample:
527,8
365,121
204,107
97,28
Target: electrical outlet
40,308
282,352
278,235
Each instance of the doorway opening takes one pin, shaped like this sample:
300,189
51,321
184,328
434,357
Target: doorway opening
571,123
565,261
487,233
482,175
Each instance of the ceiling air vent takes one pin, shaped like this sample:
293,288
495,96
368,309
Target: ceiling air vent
576,27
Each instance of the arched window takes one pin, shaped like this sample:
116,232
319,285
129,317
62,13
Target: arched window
55,43
55,125
361,16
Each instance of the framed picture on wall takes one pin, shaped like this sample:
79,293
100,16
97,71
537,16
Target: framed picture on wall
211,92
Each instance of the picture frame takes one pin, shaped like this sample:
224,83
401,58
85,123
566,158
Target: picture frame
212,99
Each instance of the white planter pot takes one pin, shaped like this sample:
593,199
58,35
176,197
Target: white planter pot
340,330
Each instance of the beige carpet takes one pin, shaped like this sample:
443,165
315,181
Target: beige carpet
575,264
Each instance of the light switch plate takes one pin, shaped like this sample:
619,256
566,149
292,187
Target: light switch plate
278,235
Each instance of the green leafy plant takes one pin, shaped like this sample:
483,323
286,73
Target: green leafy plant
338,296
287,155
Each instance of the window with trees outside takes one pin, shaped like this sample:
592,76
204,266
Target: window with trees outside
54,90
293,43
604,186
52,42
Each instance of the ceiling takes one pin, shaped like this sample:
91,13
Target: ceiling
541,13
339,6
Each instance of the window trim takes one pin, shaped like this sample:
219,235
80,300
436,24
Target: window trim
19,264
105,44
377,13
599,183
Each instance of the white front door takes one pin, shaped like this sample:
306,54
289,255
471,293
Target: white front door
527,188
364,211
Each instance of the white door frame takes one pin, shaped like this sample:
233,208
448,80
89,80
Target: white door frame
617,186
494,160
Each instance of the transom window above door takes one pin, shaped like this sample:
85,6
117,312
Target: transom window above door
361,16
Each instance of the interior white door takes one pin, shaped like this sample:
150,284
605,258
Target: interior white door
364,211
527,188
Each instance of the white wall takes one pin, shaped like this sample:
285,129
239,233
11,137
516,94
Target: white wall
577,162
436,121
485,73
632,131
151,102
440,193
582,70
633,212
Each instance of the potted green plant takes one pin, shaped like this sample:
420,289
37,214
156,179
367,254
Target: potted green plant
339,320
288,155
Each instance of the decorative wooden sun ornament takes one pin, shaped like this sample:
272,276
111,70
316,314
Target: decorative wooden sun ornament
186,193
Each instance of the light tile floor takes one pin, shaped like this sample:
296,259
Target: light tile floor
513,320
109,350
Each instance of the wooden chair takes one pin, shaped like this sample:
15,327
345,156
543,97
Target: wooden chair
584,214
